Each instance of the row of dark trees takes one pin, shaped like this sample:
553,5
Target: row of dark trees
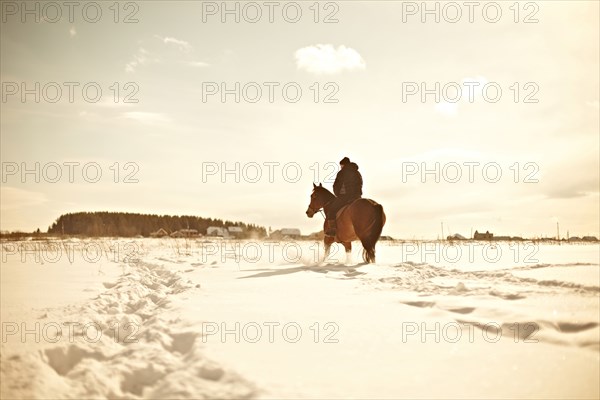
129,225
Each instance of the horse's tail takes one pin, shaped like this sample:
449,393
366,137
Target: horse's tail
373,234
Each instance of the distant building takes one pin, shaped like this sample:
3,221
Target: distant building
291,232
235,231
217,231
483,236
185,233
583,239
286,233
456,236
502,238
589,239
316,235
159,233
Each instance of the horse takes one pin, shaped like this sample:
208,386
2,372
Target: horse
362,219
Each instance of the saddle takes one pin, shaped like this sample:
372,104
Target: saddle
343,208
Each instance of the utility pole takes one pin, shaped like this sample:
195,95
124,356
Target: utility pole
557,232
442,230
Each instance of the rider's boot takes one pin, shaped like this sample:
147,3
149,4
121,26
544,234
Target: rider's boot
330,227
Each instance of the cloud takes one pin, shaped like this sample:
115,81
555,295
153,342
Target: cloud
573,190
574,173
13,198
571,186
182,45
88,115
198,64
146,118
141,57
325,59
144,57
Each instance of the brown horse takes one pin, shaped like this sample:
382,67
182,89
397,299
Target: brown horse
362,219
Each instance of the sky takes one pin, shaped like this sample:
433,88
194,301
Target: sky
486,119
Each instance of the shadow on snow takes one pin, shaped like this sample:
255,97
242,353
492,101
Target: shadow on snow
350,271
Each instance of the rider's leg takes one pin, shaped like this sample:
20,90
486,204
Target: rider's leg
330,214
331,211
330,227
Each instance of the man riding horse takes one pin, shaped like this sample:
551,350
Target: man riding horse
362,219
347,188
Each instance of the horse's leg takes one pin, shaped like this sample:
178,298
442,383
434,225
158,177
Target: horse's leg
348,247
368,221
327,242
327,250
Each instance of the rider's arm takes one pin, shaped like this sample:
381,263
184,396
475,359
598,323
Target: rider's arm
337,184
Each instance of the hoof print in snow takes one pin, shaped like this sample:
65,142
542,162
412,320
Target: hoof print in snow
574,327
135,381
211,372
63,359
183,342
460,288
421,304
462,310
506,296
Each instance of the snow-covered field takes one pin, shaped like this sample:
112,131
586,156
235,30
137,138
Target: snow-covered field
177,318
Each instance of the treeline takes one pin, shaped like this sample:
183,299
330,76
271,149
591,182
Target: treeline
129,224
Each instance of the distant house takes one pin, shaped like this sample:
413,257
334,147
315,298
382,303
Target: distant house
574,239
589,239
185,233
504,238
286,233
291,233
235,231
483,236
217,231
159,233
456,236
316,235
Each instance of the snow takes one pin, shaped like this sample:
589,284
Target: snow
194,318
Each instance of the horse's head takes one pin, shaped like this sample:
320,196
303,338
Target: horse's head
318,199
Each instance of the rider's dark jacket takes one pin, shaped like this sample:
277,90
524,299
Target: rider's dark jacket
348,182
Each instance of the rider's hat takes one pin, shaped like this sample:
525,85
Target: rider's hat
345,161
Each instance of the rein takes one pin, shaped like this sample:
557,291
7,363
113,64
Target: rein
320,210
